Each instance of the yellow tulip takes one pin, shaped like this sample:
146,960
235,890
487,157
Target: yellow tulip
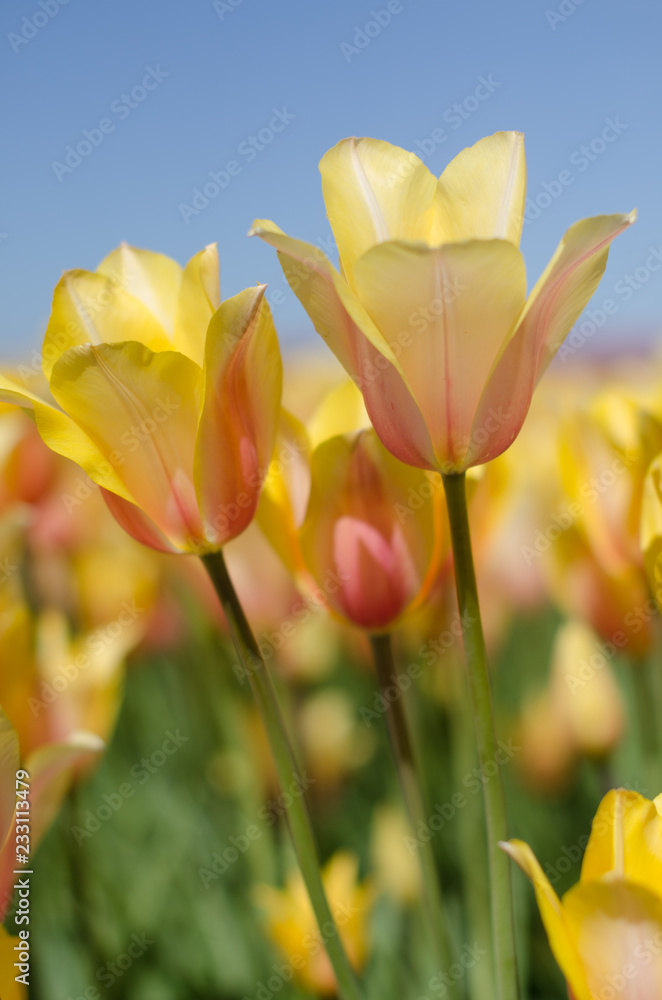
291,923
167,397
606,932
429,313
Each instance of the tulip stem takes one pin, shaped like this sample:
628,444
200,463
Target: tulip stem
501,896
408,771
287,769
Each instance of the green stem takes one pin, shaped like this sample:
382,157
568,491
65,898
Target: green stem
501,897
408,771
298,817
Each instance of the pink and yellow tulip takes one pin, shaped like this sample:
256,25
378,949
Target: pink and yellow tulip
429,312
167,397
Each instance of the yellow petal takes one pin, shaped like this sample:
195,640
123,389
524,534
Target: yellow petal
93,308
64,436
286,490
341,411
567,284
9,761
242,388
199,298
553,306
151,277
457,304
344,324
626,839
618,930
651,527
481,192
141,411
560,937
375,192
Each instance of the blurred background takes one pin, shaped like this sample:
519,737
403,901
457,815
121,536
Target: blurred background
172,125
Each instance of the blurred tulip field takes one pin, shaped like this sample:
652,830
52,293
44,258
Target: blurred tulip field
331,559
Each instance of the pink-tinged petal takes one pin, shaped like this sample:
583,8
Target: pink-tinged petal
369,549
239,418
555,303
136,523
365,354
378,573
141,411
452,308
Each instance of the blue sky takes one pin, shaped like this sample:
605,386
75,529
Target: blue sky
432,76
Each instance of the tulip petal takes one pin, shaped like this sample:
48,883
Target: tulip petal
136,522
626,839
374,192
343,323
285,493
342,411
9,762
552,307
50,767
92,308
617,927
64,436
561,940
651,527
457,305
481,193
141,410
152,278
199,298
567,284
355,531
242,388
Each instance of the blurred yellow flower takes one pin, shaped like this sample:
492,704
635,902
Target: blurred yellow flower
9,988
167,397
606,932
429,313
292,927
